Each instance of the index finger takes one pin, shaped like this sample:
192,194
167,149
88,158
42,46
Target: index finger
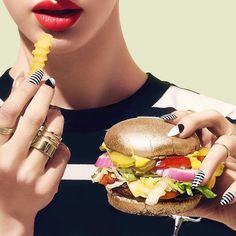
220,151
12,108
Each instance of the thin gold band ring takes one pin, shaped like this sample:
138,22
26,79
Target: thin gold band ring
6,131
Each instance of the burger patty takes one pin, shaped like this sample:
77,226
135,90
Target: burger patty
124,191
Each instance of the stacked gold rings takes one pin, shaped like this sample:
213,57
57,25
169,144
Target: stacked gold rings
46,141
6,131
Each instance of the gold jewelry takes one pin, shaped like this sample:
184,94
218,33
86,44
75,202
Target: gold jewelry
226,148
51,135
6,131
44,145
46,141
43,131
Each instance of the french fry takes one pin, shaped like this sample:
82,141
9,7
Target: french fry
42,48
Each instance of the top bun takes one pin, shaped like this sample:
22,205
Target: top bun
147,137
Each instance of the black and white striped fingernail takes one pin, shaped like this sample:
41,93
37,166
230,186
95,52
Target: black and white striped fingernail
199,177
227,198
169,116
176,130
36,77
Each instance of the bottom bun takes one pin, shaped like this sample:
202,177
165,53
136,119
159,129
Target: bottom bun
165,208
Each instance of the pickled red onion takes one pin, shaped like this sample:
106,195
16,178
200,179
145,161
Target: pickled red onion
184,175
104,161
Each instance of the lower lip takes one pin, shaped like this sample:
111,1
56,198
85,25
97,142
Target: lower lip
57,23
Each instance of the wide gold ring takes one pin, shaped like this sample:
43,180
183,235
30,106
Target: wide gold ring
6,131
223,145
44,145
46,142
50,134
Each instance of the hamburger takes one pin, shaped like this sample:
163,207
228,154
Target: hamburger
146,172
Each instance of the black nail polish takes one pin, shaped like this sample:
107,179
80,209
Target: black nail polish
50,82
181,128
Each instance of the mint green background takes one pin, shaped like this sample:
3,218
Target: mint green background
191,43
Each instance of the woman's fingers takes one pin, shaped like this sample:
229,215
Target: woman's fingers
34,116
210,119
229,196
209,125
223,148
54,123
16,102
55,169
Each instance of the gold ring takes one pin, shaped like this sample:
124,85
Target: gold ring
44,145
226,148
43,131
6,131
51,135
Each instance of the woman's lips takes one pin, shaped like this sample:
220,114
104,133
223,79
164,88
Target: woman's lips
57,16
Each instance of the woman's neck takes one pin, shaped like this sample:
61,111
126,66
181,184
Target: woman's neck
100,73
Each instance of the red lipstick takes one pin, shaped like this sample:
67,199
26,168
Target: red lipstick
57,15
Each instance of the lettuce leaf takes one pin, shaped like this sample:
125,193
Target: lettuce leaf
187,187
127,173
206,192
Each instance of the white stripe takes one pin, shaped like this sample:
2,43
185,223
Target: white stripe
79,172
182,99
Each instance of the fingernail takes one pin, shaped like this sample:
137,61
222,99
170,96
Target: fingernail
36,77
199,177
227,198
176,130
51,82
169,116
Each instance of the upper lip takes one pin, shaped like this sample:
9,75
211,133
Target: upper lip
56,5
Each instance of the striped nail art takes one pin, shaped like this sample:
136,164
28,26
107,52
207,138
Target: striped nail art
169,116
227,198
199,177
36,77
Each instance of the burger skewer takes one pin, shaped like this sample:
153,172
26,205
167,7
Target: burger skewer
179,221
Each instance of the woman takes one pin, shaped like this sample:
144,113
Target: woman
96,84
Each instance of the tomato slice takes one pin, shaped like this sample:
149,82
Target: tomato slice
107,179
173,161
170,195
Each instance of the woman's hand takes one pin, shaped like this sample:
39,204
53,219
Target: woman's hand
28,178
217,132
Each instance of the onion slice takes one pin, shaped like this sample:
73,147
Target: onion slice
157,192
104,161
184,175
